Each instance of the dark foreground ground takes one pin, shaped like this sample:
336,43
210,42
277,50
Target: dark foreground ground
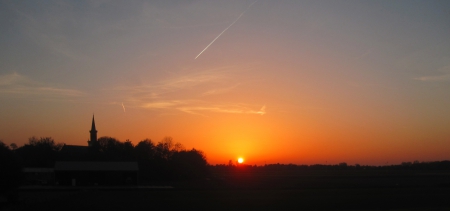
250,191
232,199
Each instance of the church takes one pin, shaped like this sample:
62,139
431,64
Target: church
93,132
79,167
81,153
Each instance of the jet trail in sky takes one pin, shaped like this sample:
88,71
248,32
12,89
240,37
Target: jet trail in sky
123,107
226,29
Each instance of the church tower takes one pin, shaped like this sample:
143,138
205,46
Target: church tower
93,133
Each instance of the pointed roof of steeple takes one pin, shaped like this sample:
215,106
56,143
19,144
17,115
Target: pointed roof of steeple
93,124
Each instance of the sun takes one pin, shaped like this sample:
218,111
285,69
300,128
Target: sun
240,160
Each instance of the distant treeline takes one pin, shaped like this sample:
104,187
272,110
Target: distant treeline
10,171
283,168
162,161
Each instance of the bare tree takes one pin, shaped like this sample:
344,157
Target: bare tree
13,146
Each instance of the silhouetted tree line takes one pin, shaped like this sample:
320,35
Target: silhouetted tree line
161,161
42,152
10,172
341,167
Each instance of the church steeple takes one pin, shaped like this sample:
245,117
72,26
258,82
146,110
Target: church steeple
93,133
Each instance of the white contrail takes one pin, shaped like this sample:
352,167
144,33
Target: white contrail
123,107
226,28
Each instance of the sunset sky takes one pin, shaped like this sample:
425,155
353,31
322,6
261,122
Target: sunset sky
304,82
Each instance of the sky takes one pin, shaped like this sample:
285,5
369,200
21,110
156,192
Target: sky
286,81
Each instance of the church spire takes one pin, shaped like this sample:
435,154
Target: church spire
93,124
93,133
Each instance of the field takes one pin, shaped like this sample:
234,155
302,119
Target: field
247,191
309,199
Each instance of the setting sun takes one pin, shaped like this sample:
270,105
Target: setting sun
240,160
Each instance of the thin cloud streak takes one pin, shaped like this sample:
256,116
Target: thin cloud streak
231,109
177,85
161,104
445,76
179,82
15,83
10,79
189,81
197,107
188,93
219,91
262,111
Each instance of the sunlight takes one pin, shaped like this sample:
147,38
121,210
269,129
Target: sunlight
240,160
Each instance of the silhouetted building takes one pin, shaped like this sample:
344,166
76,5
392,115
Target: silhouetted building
79,165
93,132
74,153
39,176
80,153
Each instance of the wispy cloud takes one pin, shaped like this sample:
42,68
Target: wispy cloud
443,76
261,111
218,108
216,78
219,90
17,84
189,93
188,81
9,79
161,104
196,107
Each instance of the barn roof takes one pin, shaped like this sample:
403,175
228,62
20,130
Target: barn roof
96,166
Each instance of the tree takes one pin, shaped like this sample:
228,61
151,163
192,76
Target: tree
112,149
41,152
190,164
128,150
45,142
10,172
178,147
145,154
145,149
13,146
164,148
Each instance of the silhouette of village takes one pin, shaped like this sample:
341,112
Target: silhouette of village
105,162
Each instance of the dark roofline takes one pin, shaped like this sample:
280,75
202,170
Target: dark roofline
96,166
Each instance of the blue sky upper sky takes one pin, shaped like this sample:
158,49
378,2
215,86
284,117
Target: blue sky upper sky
365,74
